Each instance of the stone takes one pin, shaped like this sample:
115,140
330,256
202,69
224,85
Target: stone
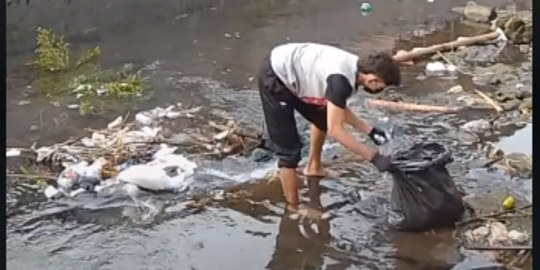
455,89
477,126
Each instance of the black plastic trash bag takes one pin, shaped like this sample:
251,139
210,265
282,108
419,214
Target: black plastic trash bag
424,195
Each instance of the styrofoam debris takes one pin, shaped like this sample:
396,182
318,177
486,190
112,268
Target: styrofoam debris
456,89
173,115
451,68
13,153
436,68
518,237
87,142
143,118
51,192
116,123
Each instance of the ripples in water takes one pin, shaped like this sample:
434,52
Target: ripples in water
117,233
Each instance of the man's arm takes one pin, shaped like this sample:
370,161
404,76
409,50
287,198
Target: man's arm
339,90
356,123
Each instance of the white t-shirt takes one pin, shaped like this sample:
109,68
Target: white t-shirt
304,68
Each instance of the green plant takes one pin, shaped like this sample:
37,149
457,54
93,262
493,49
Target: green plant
93,88
52,53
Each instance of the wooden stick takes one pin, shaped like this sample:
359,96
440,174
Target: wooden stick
489,101
31,176
498,248
402,106
492,215
234,131
419,52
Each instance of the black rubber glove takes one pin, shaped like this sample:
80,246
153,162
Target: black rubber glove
378,136
382,163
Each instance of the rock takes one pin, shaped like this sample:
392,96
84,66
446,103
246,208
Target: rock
495,74
526,105
521,164
469,101
526,93
494,152
511,105
524,48
518,30
463,137
455,89
477,126
476,13
261,155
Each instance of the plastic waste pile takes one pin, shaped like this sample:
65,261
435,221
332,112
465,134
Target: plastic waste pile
127,154
138,155
167,171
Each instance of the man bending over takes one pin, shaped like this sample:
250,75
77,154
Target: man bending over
316,81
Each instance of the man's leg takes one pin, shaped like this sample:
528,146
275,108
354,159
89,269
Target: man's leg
283,133
316,115
278,108
316,141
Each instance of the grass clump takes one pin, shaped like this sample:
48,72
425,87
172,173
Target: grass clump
52,53
79,78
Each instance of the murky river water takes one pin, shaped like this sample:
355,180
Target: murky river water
187,47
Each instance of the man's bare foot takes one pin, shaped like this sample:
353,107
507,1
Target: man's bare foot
315,171
306,211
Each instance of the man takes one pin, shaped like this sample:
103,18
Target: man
316,81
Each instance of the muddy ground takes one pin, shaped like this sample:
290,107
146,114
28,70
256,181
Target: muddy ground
207,52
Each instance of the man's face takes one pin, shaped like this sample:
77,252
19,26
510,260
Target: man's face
371,83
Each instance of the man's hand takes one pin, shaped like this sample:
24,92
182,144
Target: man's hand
378,136
382,163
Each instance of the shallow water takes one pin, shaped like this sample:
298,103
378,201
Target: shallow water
520,142
184,45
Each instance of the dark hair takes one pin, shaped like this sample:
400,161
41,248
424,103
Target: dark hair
383,66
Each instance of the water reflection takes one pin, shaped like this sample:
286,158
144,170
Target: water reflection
302,240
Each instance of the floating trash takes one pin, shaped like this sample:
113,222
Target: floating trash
365,8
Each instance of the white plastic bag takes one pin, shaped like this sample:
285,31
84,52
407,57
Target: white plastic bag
155,176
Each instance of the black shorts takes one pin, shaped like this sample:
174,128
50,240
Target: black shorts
279,104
